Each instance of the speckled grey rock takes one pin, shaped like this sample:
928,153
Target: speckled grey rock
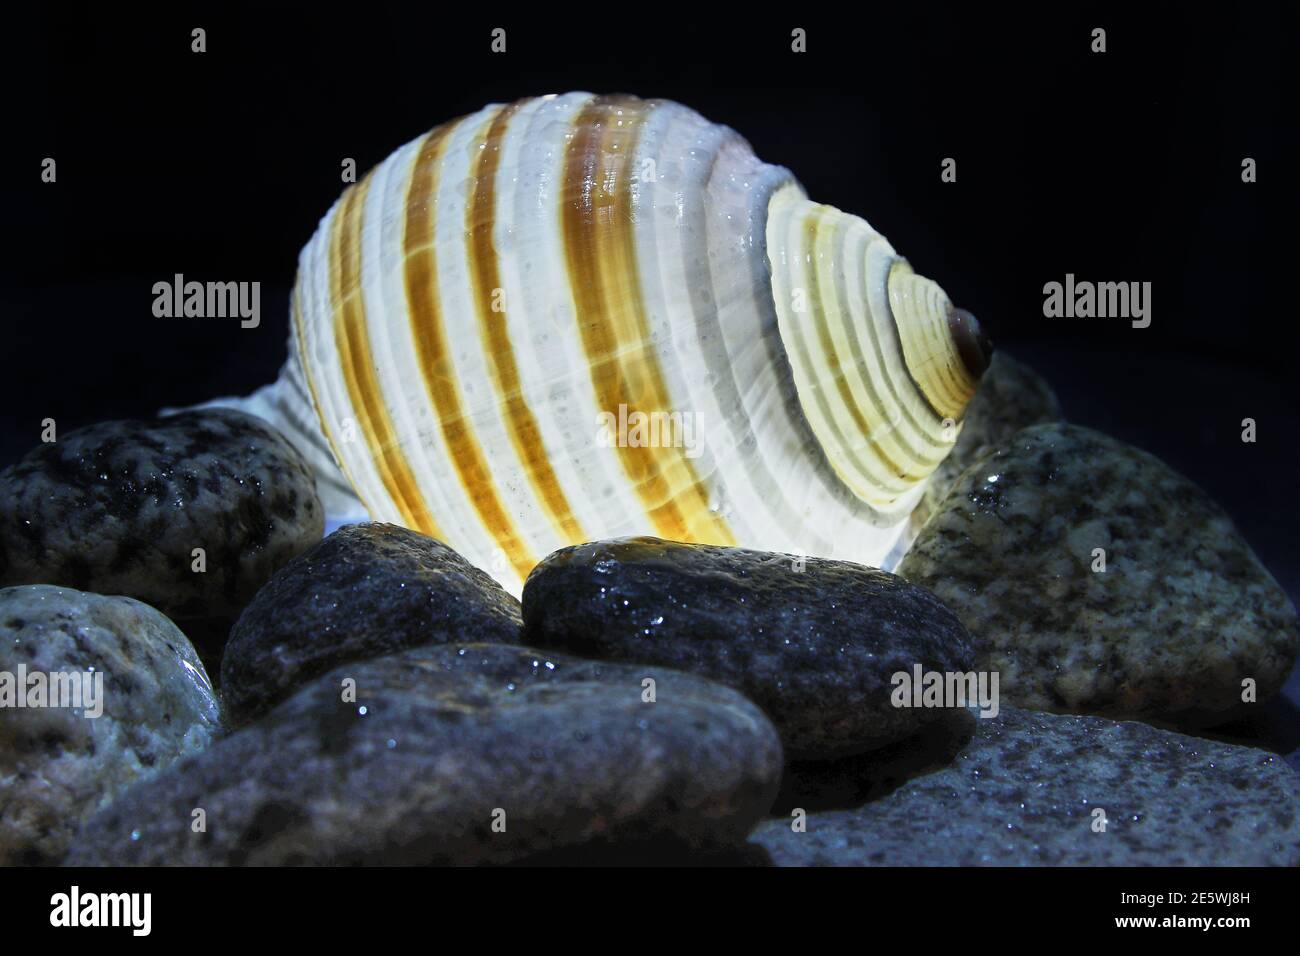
1182,614
365,591
152,699
1011,396
816,648
1024,793
119,507
438,743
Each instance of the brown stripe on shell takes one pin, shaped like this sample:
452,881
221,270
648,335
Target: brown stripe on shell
600,250
494,331
358,363
428,331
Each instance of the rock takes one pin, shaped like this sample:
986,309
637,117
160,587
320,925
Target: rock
1011,396
1182,614
657,854
365,591
148,698
816,648
850,781
438,744
119,507
209,636
1025,790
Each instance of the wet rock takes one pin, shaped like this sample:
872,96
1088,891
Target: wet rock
1182,614
453,754
209,636
365,591
124,695
1011,396
1027,790
120,507
814,642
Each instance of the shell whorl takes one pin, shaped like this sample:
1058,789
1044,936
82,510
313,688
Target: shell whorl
877,350
468,315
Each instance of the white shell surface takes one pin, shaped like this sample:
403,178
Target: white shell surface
483,320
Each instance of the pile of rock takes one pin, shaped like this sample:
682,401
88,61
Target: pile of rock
383,701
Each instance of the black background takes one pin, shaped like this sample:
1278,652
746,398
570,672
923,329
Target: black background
1122,166
341,910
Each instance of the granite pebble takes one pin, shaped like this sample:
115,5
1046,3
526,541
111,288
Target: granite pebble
124,696
120,507
460,754
1035,789
1096,579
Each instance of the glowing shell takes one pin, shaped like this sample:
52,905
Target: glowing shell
579,317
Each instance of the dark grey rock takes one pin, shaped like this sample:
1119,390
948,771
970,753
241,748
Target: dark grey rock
1011,396
1025,790
846,782
656,853
816,648
364,591
119,507
1182,614
437,740
150,704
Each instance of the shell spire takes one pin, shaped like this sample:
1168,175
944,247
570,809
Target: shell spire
883,363
579,317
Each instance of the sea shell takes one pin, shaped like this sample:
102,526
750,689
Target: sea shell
480,323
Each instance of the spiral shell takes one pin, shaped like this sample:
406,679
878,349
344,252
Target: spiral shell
474,317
